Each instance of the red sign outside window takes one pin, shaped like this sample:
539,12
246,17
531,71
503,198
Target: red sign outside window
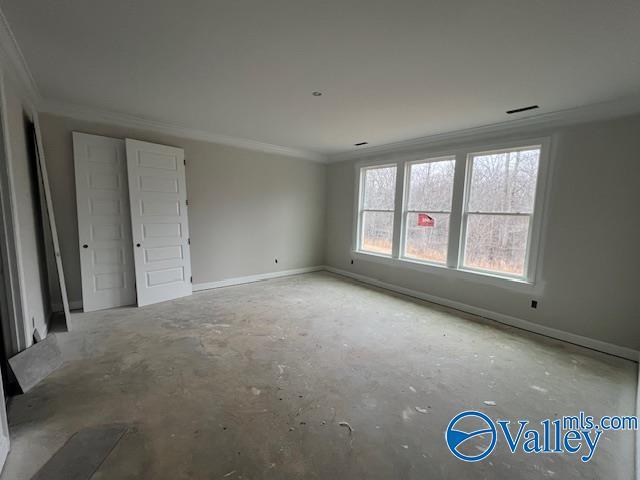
425,220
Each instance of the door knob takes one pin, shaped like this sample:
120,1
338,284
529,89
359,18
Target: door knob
137,244
85,246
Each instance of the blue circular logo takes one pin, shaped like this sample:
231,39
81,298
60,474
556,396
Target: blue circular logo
456,438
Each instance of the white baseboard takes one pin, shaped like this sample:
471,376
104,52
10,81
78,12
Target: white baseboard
591,343
73,305
77,304
254,278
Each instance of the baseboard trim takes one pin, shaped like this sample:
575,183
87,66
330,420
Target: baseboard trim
197,287
605,347
73,305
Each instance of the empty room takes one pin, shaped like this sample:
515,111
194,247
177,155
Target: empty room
319,240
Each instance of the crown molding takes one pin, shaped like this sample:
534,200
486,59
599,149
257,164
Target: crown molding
14,62
90,114
597,111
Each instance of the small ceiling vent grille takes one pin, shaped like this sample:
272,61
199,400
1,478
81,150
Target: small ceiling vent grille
522,109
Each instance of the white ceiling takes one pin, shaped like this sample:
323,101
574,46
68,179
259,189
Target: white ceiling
389,70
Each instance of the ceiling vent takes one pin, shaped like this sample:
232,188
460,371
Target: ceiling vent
522,109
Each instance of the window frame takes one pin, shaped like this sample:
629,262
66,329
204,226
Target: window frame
454,267
361,209
406,211
466,213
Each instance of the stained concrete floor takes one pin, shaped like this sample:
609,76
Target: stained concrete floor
252,381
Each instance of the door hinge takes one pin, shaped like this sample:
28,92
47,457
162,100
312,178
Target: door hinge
185,161
186,201
188,241
191,279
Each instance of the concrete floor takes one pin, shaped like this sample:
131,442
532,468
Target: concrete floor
252,381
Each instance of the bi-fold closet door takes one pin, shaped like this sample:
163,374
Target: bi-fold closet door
132,222
104,225
159,222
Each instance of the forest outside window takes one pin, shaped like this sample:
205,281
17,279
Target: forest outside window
378,190
471,211
428,211
499,208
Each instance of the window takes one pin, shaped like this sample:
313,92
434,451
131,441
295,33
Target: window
377,206
501,194
470,211
428,210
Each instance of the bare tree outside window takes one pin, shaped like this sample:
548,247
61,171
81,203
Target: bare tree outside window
377,207
495,224
429,209
501,196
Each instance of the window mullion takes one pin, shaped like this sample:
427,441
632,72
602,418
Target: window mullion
435,212
357,232
506,214
398,210
456,217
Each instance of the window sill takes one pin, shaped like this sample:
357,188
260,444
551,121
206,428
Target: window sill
485,278
380,256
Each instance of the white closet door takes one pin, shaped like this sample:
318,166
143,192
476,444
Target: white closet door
158,198
104,228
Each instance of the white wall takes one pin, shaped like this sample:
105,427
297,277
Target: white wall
37,310
246,208
589,270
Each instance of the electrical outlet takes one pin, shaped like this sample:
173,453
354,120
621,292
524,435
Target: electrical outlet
534,304
276,260
351,262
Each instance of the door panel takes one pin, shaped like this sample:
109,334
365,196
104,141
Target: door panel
159,222
103,222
